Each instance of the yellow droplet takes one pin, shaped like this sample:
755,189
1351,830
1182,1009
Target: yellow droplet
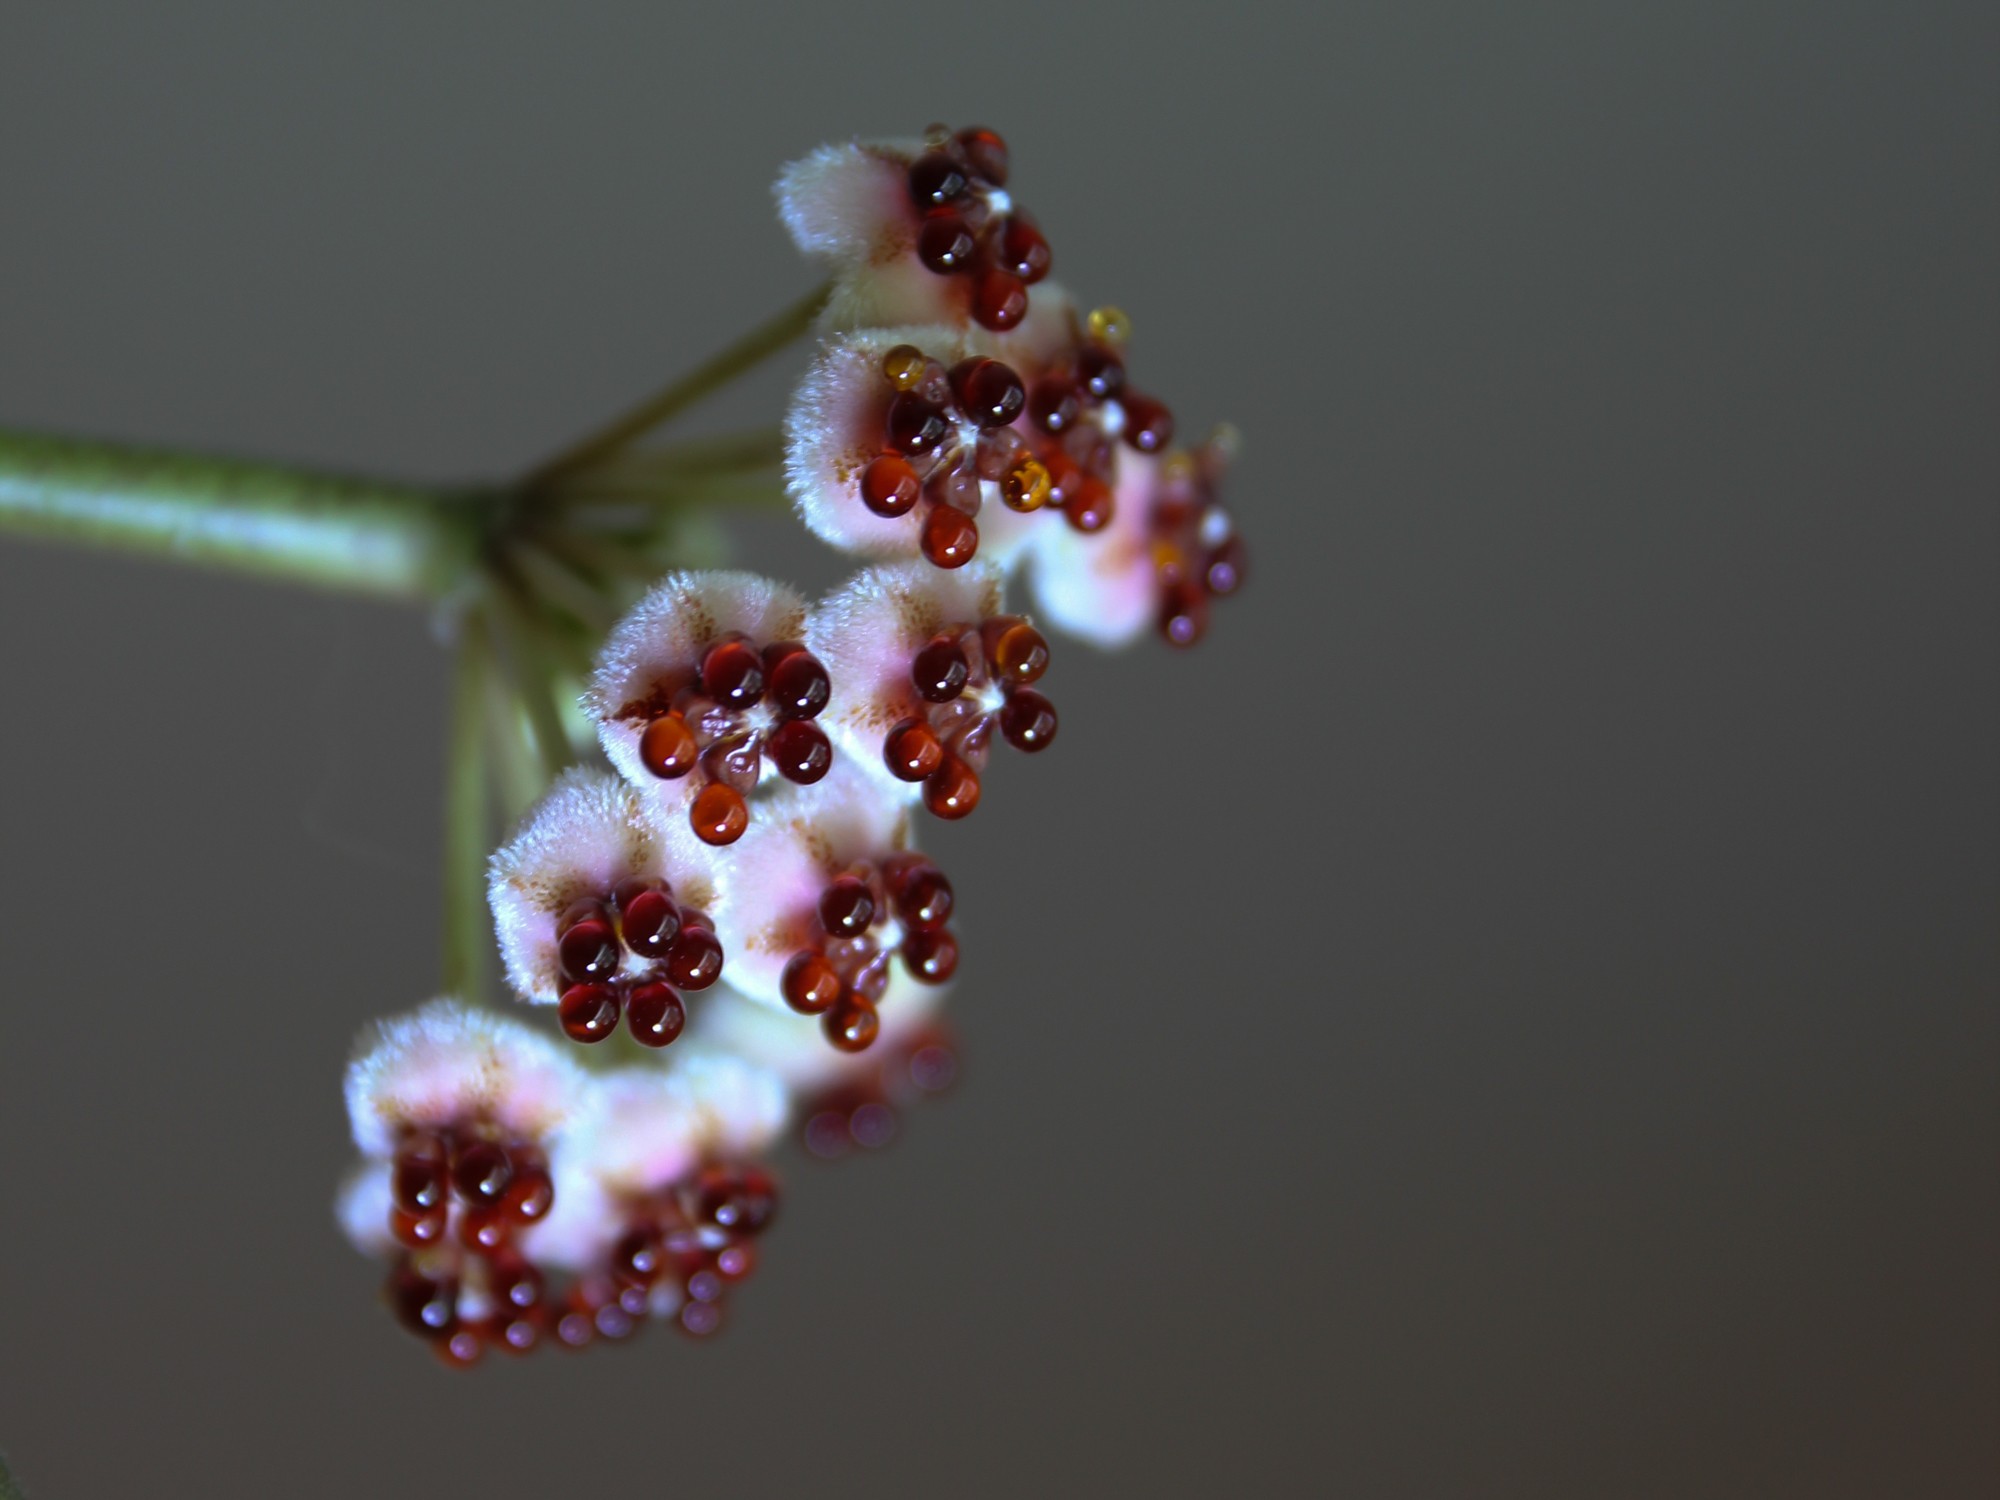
904,365
1025,486
1109,325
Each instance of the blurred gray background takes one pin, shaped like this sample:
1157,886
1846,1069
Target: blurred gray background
1514,1014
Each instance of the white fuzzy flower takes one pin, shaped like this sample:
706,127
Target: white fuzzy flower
704,691
598,907
926,670
916,231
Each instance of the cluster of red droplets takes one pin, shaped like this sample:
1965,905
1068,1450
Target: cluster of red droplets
867,915
632,955
972,679
738,706
684,1248
970,227
864,1111
1079,409
1198,555
944,434
458,1198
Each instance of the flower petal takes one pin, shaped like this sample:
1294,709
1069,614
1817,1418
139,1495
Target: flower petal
1101,587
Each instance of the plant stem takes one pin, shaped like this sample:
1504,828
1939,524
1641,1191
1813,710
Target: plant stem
711,375
369,536
467,947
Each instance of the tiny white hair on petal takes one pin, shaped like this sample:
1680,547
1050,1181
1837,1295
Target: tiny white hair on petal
794,1049
866,633
841,201
800,839
363,1206
448,1064
1101,588
661,643
588,833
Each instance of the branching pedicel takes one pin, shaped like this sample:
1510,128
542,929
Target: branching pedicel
733,920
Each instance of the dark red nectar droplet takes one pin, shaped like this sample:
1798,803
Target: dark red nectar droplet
482,1172
649,920
945,244
800,750
846,909
953,790
732,673
938,670
912,751
852,1025
798,685
1028,720
950,537
889,486
655,1015
668,748
810,986
931,956
694,960
926,900
999,300
588,1012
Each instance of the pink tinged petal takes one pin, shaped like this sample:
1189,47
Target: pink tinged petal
588,834
868,631
363,1207
799,840
794,1049
446,1064
1102,588
660,645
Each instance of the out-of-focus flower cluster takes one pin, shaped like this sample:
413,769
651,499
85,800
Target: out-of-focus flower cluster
743,885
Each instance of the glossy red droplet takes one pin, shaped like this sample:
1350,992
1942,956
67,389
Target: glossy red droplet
718,814
588,1012
694,959
654,1014
668,748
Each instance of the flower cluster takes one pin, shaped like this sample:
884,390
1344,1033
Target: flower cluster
743,883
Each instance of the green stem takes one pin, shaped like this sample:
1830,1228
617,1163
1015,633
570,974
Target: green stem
467,944
747,352
368,536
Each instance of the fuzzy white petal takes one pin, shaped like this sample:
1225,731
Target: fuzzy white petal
363,1206
660,644
1101,588
448,1063
867,632
589,832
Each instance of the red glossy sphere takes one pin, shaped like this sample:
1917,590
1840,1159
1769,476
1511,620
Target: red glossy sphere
588,1012
654,1014
800,750
809,985
668,748
889,486
694,961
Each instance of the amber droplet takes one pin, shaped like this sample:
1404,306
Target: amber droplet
655,1015
926,899
953,790
1149,426
1025,485
1015,650
931,956
732,673
846,909
1108,325
798,686
718,815
987,391
999,300
945,245
810,986
985,152
889,486
668,748
588,1012
904,366
694,961
1028,720
800,750
911,750
649,920
950,536
938,670
936,179
1020,249
852,1025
